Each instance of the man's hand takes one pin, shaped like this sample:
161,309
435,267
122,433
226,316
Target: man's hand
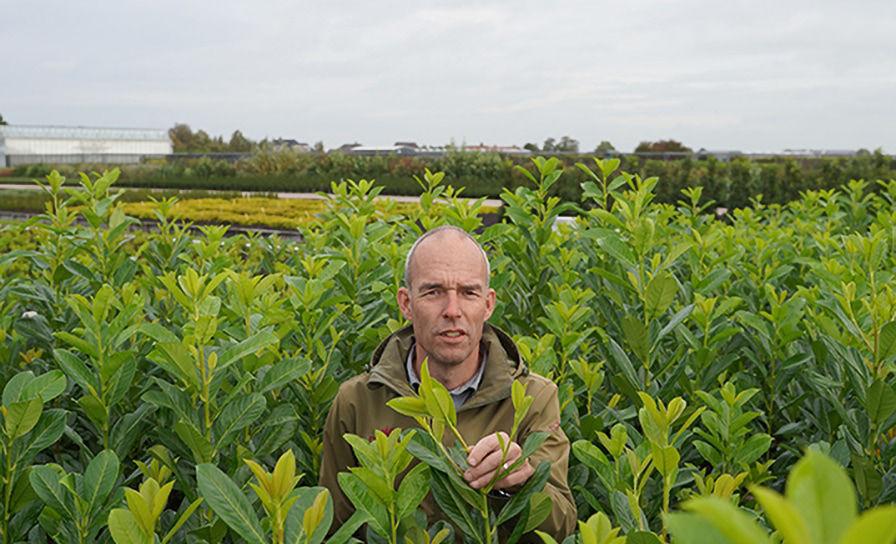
485,460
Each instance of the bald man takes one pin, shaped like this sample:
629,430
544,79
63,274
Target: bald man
447,298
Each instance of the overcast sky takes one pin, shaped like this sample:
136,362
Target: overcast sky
753,76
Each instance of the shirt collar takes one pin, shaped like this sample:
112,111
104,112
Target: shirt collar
460,393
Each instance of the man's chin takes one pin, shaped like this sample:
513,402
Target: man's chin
448,359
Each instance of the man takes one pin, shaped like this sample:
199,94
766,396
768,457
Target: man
447,299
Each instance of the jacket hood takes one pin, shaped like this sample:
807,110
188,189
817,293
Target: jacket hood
502,366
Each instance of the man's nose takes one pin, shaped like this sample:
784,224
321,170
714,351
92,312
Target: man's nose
452,305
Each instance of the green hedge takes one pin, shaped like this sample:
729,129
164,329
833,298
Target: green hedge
729,183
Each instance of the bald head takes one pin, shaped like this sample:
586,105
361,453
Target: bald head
440,235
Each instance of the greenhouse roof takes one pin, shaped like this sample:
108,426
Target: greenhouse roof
81,133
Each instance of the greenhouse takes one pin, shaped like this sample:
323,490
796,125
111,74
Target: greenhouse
29,144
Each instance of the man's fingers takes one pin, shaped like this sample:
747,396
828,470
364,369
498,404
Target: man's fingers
485,447
492,462
517,477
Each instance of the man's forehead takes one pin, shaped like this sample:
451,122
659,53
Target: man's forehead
447,246
448,257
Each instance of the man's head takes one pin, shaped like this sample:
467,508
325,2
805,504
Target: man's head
446,295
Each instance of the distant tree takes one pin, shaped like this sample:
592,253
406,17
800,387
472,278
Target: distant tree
567,144
318,147
662,146
532,147
549,145
3,121
604,147
239,143
181,137
201,141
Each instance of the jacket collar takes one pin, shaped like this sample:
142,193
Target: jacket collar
503,365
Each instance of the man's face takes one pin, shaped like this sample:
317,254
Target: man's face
448,301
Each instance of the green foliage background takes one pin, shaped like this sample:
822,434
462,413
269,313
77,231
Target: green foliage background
729,183
694,356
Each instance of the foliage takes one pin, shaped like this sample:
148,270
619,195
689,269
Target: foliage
697,359
729,183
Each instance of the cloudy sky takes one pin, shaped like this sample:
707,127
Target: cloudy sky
754,76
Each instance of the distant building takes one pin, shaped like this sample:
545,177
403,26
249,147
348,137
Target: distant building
503,149
720,154
29,144
817,153
400,148
279,144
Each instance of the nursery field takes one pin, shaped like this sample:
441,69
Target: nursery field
721,380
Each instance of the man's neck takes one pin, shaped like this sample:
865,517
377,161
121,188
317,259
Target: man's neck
450,376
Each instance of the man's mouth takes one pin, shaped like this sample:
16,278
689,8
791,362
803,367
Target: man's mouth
452,333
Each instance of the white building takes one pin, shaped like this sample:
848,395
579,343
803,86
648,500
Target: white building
24,144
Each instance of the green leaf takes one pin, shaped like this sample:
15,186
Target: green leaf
886,341
78,343
823,495
21,417
409,406
94,410
237,415
660,294
880,401
753,449
785,518
181,520
158,333
665,459
877,525
693,529
520,499
453,504
124,528
734,524
540,506
345,532
47,431
14,388
635,335
228,502
47,386
294,531
363,500
282,373
75,369
611,242
258,341
99,478
412,490
45,482
641,537
190,435
424,448
375,483
623,364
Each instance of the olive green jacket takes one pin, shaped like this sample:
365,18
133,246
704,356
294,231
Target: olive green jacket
360,408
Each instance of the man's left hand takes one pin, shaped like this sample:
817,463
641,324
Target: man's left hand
485,459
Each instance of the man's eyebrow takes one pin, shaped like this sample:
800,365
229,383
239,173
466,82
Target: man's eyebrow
436,285
430,285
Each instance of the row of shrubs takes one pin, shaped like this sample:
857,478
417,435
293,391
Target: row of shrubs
729,183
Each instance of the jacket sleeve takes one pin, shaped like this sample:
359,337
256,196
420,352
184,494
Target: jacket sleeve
337,456
544,415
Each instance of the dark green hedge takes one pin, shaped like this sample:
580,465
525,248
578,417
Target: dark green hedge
730,183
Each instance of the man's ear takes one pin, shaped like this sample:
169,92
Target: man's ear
404,302
490,301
